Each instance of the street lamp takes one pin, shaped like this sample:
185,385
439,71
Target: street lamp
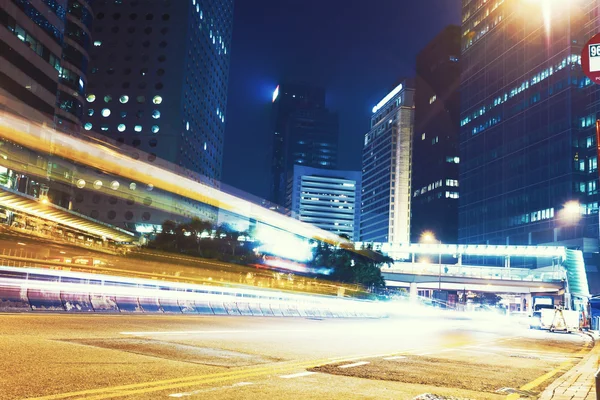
429,237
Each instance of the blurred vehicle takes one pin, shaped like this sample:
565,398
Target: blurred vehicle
535,320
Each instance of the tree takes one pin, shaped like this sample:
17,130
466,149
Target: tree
350,266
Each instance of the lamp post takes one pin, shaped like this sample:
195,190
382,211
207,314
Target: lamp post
429,237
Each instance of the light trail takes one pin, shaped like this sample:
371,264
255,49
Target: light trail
42,139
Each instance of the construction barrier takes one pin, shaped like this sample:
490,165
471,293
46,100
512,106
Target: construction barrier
255,309
218,308
13,299
76,302
44,300
129,304
170,306
102,303
203,307
244,309
266,310
150,304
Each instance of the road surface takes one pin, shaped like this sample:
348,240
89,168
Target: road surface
60,356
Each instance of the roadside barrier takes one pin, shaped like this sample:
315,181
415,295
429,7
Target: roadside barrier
14,299
44,300
76,302
129,304
25,289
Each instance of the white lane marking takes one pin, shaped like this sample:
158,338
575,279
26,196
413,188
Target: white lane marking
298,375
394,358
166,333
195,392
357,364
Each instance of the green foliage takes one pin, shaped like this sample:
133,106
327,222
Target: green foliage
349,266
201,238
490,299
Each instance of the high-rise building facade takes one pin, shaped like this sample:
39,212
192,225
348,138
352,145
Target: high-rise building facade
435,156
158,79
528,162
328,199
44,57
386,170
304,133
43,63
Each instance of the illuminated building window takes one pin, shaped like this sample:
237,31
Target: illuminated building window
432,99
121,127
156,114
124,99
88,126
91,98
137,128
90,112
98,184
97,43
114,185
132,186
155,128
107,98
105,112
157,100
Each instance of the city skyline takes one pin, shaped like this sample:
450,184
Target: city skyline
327,55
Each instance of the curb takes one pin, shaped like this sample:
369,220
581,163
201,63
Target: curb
550,391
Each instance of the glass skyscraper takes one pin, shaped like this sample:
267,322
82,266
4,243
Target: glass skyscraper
435,156
44,49
528,162
386,168
304,133
158,79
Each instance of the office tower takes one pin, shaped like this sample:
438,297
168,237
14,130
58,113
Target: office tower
44,56
328,199
386,181
435,157
158,79
528,162
43,63
158,84
304,133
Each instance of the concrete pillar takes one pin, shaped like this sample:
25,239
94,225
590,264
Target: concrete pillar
528,300
413,291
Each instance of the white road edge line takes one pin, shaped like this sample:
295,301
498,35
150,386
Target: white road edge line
298,375
357,364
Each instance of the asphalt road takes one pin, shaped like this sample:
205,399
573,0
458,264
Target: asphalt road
64,356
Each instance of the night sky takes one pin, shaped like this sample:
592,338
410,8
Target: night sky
356,49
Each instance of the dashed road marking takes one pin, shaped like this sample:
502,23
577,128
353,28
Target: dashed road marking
298,375
357,364
394,358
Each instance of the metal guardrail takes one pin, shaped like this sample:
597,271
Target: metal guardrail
52,290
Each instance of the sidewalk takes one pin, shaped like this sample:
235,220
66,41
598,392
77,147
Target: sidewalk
578,382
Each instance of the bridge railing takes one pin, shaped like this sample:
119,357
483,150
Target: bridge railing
547,274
